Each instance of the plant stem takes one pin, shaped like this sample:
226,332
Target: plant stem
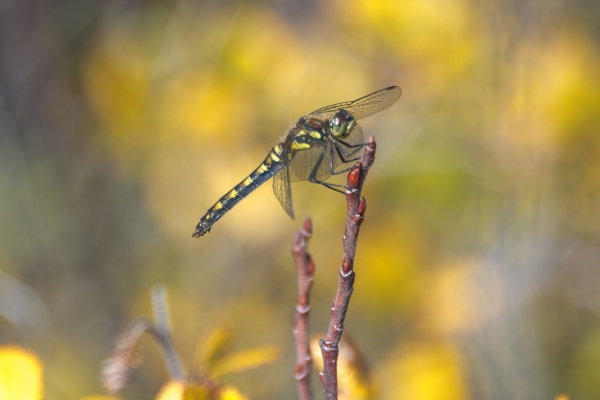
356,211
305,269
162,331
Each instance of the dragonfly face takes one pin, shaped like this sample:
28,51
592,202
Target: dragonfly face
341,124
325,142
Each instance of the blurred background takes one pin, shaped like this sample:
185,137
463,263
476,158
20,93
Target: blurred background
478,265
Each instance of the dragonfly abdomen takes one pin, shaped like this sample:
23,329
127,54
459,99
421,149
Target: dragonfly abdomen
271,165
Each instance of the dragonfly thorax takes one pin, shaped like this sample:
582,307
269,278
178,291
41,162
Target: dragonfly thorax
341,124
309,131
314,124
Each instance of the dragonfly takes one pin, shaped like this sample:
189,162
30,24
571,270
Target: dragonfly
321,144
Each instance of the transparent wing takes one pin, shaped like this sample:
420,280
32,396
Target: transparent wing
283,191
363,107
304,161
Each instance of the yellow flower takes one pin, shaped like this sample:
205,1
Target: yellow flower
21,374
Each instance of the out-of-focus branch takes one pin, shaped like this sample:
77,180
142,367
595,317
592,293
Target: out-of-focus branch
305,269
162,330
117,370
356,211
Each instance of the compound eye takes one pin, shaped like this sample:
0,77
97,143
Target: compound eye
341,124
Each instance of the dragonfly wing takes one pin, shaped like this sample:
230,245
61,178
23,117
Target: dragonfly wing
363,107
283,191
304,162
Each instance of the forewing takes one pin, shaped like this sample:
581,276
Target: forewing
304,161
363,107
283,191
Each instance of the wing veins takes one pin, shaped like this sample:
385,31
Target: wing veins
364,106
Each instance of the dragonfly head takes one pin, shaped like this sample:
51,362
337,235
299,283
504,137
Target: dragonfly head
341,124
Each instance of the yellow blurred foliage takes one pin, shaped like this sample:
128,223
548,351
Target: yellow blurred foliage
452,302
199,105
139,105
551,97
389,266
178,390
425,371
172,390
262,46
117,82
568,92
436,35
98,397
355,381
21,374
230,393
244,360
211,347
213,360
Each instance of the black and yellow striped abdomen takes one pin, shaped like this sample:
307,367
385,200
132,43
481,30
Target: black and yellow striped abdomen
269,167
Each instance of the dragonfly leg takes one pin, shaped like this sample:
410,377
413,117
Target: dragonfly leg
343,170
313,175
356,148
333,186
341,153
332,166
352,146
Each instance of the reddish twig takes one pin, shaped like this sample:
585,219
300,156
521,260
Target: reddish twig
356,211
305,269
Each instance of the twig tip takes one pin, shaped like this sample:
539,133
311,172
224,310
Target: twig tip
308,225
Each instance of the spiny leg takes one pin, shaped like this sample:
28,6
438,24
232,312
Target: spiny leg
343,151
340,154
312,177
352,146
357,147
339,150
344,161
